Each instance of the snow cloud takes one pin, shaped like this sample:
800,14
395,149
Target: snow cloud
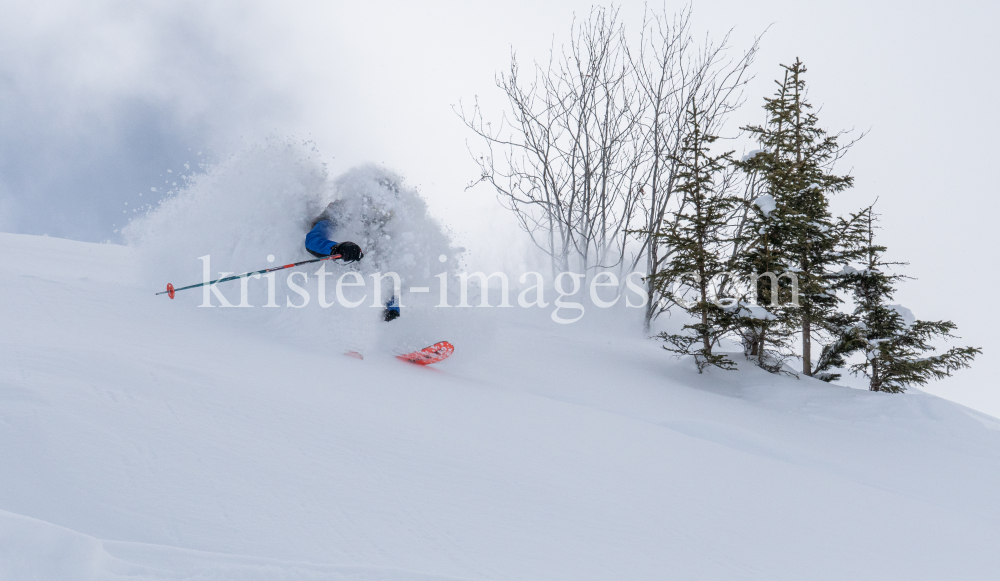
99,100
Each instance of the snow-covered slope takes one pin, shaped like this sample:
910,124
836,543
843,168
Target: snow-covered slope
143,438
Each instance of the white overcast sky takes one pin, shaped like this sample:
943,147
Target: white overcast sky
98,99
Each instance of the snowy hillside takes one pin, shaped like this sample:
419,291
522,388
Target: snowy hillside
144,438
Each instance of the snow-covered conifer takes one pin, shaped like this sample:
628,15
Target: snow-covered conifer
894,342
699,236
795,168
762,323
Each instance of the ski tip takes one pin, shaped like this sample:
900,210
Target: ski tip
354,354
433,354
170,290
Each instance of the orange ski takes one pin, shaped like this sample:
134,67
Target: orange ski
427,355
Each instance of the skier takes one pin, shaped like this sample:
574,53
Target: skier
318,241
319,244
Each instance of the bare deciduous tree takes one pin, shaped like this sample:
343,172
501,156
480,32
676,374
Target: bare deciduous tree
571,147
587,147
675,75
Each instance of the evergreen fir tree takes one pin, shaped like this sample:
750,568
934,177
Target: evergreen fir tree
698,238
762,323
846,334
795,169
895,344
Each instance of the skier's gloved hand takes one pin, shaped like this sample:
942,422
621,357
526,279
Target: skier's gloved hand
348,251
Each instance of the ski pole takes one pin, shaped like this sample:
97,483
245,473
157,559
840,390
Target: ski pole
171,290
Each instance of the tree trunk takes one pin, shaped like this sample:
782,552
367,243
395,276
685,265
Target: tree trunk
705,335
806,346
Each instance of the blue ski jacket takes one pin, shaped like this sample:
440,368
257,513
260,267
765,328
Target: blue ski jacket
318,241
